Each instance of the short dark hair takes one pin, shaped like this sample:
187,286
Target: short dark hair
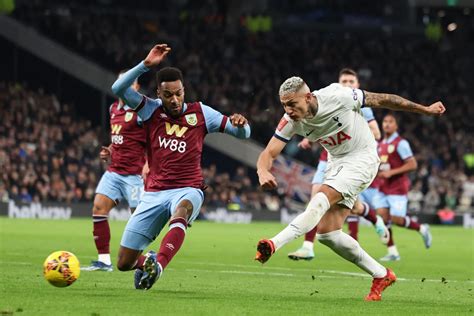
168,74
392,114
348,71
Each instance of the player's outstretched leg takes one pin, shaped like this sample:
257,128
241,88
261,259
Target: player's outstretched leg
306,251
155,263
101,232
349,249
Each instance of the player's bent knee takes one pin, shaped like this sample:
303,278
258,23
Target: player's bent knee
102,205
184,209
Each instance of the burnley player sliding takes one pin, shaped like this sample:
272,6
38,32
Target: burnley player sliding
332,117
175,132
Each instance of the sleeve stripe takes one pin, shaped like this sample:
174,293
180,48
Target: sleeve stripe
370,120
223,123
407,157
141,105
281,138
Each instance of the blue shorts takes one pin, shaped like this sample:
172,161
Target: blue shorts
397,204
320,172
154,211
117,187
368,196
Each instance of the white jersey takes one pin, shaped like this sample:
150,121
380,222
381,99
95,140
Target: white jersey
338,125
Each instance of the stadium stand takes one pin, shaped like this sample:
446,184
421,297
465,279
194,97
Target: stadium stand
240,71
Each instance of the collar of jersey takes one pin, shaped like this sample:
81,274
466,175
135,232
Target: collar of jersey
391,138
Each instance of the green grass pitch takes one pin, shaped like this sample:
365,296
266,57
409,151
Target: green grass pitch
214,274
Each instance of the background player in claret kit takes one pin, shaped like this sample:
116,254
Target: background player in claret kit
397,160
175,132
347,78
332,117
122,180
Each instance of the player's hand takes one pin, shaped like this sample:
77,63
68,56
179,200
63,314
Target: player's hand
105,154
436,108
238,120
267,180
304,144
385,174
156,55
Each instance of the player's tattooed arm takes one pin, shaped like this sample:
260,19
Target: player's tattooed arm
397,103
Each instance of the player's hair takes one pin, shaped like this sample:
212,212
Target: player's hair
348,71
291,85
168,74
392,114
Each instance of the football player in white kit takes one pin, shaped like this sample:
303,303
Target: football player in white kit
332,117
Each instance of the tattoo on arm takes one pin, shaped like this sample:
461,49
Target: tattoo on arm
392,102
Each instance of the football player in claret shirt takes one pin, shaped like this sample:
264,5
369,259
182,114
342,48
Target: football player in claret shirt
332,117
391,202
123,178
175,132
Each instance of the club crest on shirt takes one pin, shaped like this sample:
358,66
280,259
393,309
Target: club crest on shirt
390,148
191,119
128,116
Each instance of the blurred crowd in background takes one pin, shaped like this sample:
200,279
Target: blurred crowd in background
47,150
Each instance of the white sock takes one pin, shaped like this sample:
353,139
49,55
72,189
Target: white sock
308,245
303,223
348,248
392,250
105,258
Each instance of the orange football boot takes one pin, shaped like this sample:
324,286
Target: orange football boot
265,249
379,285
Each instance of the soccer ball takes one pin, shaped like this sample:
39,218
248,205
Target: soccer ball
61,268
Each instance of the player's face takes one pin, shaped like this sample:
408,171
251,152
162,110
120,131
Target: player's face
296,105
389,125
172,95
348,80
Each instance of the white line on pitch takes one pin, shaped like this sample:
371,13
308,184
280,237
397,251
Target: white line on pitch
345,273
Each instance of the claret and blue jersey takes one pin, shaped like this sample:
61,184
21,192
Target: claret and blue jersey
174,150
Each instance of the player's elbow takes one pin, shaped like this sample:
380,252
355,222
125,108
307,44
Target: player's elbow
412,164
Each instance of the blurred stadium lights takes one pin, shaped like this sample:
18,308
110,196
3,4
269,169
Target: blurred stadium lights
452,27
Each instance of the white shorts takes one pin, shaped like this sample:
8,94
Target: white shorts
351,174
